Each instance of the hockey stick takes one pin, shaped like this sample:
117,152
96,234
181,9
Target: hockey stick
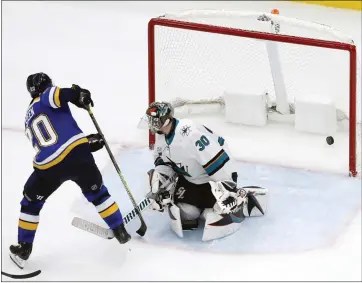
22,276
107,233
142,230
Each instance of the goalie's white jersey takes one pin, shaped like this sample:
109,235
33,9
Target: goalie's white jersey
199,154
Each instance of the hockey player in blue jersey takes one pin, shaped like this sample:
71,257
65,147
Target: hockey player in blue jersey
63,153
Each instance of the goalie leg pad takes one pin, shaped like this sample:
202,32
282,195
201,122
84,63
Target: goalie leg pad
183,217
257,200
219,226
189,216
176,225
229,198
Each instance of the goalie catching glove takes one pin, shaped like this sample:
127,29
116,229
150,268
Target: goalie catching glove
162,182
229,199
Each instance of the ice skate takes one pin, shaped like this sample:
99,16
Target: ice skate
20,253
121,234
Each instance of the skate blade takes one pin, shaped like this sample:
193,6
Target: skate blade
18,261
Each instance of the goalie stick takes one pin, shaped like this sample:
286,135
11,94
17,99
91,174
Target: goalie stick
21,276
107,233
142,230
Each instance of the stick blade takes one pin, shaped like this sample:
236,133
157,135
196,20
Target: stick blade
92,228
142,230
21,276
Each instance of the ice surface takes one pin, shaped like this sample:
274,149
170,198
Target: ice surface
66,253
103,47
299,201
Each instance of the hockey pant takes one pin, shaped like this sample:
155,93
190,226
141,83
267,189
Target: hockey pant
192,199
78,166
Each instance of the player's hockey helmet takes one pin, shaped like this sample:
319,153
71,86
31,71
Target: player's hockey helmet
38,83
159,114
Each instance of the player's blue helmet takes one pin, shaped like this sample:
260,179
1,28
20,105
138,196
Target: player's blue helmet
38,83
159,114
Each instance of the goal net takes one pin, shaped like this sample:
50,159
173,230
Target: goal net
197,56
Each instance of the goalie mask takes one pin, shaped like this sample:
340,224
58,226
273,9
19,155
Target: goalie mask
159,114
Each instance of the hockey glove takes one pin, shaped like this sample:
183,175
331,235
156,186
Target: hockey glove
83,97
95,141
229,199
162,178
162,182
160,201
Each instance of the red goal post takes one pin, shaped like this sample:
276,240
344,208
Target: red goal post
178,23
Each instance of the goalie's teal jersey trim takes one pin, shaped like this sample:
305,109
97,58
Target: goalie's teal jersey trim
216,163
170,139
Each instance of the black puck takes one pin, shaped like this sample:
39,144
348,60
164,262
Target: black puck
330,140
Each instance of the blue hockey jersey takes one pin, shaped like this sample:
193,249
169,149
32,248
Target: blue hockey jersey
51,128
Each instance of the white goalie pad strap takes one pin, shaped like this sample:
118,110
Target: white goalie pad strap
261,195
176,225
218,226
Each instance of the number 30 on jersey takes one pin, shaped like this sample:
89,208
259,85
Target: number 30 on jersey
202,143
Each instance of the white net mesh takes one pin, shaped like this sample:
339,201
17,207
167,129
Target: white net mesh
193,67
200,65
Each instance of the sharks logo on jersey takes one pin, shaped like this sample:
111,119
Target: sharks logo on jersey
185,130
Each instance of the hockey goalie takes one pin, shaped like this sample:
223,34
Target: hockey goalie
194,177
